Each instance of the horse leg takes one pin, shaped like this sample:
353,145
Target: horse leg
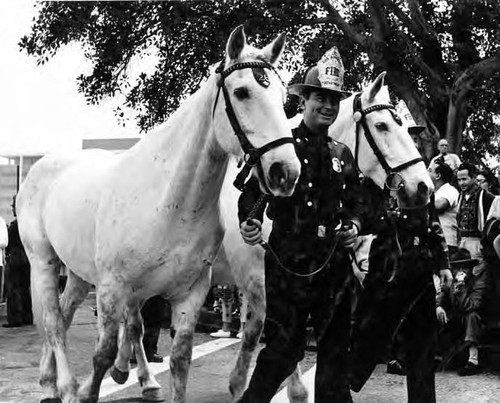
185,313
151,389
110,310
55,374
75,292
296,390
255,292
120,370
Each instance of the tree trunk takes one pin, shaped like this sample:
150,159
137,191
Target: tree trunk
461,91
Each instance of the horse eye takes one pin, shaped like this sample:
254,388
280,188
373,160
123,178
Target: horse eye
241,93
381,126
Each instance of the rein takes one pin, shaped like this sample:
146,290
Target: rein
258,204
252,155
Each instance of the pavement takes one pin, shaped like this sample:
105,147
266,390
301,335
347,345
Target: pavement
208,379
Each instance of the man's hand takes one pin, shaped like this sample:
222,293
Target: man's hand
441,316
349,236
251,231
446,277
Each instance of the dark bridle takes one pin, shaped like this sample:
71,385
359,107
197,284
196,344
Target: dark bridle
252,155
359,117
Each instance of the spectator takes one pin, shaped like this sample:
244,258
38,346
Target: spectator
449,158
153,313
473,206
4,241
225,297
17,278
487,181
445,202
491,234
461,308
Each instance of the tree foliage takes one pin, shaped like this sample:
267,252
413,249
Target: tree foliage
442,56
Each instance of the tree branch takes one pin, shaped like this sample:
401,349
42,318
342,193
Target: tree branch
466,83
342,24
408,22
379,19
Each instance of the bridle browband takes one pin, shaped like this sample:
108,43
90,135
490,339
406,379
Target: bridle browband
359,115
252,155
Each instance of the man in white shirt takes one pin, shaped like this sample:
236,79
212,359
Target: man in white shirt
449,158
445,201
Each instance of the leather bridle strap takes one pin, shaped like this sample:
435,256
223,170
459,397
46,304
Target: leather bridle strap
359,117
252,155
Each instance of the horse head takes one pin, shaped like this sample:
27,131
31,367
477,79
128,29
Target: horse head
252,108
382,146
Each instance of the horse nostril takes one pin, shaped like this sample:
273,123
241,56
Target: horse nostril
277,174
422,188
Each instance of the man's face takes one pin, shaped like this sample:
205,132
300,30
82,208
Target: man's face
432,173
443,147
320,110
465,181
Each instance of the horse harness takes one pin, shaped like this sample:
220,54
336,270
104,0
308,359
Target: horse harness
252,155
359,116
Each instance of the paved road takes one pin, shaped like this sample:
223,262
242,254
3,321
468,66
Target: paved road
208,381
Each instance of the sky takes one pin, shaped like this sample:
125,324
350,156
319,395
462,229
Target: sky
41,109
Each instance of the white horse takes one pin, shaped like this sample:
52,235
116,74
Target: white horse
147,222
405,167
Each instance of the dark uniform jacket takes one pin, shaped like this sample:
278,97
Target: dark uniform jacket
399,292
326,193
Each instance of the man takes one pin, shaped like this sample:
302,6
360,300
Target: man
473,207
17,278
308,271
462,308
4,241
397,306
449,158
445,202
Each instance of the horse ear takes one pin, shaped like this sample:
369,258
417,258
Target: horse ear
274,50
376,86
236,42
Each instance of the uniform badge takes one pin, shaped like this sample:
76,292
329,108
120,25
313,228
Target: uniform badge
337,166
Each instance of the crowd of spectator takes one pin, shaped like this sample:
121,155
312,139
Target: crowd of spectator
466,200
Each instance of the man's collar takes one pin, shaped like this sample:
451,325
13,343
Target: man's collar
306,132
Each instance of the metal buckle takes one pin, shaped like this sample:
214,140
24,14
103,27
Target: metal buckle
252,157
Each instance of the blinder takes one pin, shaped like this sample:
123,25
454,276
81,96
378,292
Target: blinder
252,155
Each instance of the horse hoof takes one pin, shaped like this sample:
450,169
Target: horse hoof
118,376
153,395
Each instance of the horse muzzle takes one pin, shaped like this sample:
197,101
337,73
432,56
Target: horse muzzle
416,197
281,178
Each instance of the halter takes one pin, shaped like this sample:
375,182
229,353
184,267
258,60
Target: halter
359,117
252,155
